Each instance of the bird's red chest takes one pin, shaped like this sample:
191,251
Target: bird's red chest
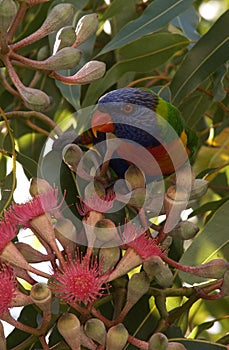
154,161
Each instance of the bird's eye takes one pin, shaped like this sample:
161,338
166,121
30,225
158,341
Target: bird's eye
127,108
102,108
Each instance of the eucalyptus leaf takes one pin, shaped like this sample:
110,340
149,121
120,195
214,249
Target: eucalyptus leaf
188,22
143,55
199,344
209,53
210,244
157,15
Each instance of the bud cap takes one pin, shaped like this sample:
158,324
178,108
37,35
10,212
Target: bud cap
95,329
116,337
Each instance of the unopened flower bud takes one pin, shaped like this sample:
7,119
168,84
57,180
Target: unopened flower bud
86,26
66,228
86,342
66,58
43,53
8,10
57,17
105,230
38,186
116,337
225,285
185,178
30,254
95,329
41,296
165,277
175,346
215,268
199,188
184,230
158,341
34,99
153,266
138,285
108,258
91,71
65,37
69,327
176,194
175,202
135,178
72,155
66,234
138,197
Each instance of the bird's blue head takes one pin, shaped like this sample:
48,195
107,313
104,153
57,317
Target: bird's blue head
129,114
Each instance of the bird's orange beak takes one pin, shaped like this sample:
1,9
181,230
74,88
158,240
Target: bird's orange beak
101,122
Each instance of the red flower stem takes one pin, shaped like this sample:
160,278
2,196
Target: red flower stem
43,343
189,269
161,234
12,73
38,115
37,128
62,78
39,34
7,86
27,61
9,319
17,20
140,344
80,309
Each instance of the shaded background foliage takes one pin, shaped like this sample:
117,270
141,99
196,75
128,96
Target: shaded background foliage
165,45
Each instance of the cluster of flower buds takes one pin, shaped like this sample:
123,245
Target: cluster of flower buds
66,54
79,277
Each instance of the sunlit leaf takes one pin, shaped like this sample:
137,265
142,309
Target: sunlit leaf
199,344
210,244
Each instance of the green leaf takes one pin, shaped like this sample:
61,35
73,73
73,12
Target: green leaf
211,206
114,8
157,15
29,165
199,344
143,55
7,188
187,22
210,244
210,52
195,105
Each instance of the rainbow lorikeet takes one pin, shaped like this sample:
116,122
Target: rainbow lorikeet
152,130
